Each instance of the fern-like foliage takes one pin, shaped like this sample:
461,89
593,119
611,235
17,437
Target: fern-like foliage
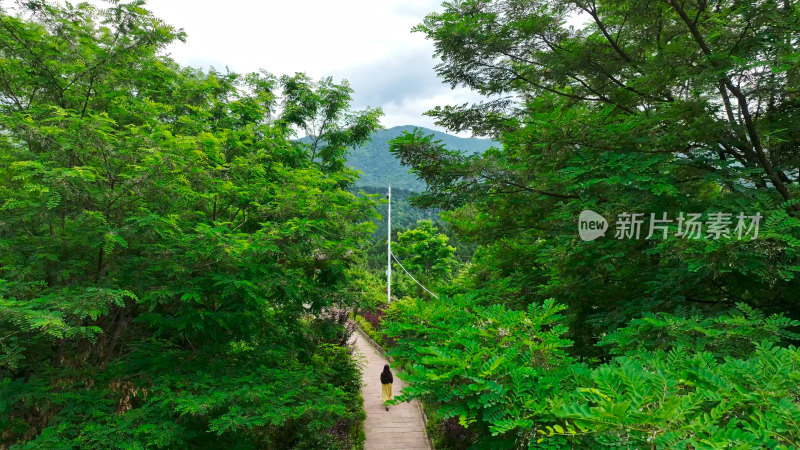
679,381
169,251
730,334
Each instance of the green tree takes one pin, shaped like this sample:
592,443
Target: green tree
658,107
425,252
164,238
321,111
649,107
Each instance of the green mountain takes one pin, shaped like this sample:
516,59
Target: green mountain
379,167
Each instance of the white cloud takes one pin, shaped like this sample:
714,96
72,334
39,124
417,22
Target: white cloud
286,36
408,110
368,42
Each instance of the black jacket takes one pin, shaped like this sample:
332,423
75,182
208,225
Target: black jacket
386,377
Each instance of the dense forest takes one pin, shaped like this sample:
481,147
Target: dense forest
657,113
613,261
174,264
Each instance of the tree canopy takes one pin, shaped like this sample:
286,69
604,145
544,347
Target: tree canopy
180,248
680,114
171,255
425,252
654,108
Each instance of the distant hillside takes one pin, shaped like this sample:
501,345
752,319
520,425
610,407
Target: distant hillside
380,167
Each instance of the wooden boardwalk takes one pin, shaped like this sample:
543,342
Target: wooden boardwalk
402,427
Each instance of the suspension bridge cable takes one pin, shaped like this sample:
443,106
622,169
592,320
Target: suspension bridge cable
412,276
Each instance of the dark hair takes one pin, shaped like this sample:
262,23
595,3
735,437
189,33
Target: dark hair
386,375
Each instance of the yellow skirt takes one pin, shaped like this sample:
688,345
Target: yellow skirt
386,392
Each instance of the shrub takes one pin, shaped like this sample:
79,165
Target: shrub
506,376
367,328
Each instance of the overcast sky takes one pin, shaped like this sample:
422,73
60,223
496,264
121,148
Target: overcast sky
368,42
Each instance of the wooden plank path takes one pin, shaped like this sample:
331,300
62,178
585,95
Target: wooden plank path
402,427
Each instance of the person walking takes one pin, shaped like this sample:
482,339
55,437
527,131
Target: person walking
386,381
